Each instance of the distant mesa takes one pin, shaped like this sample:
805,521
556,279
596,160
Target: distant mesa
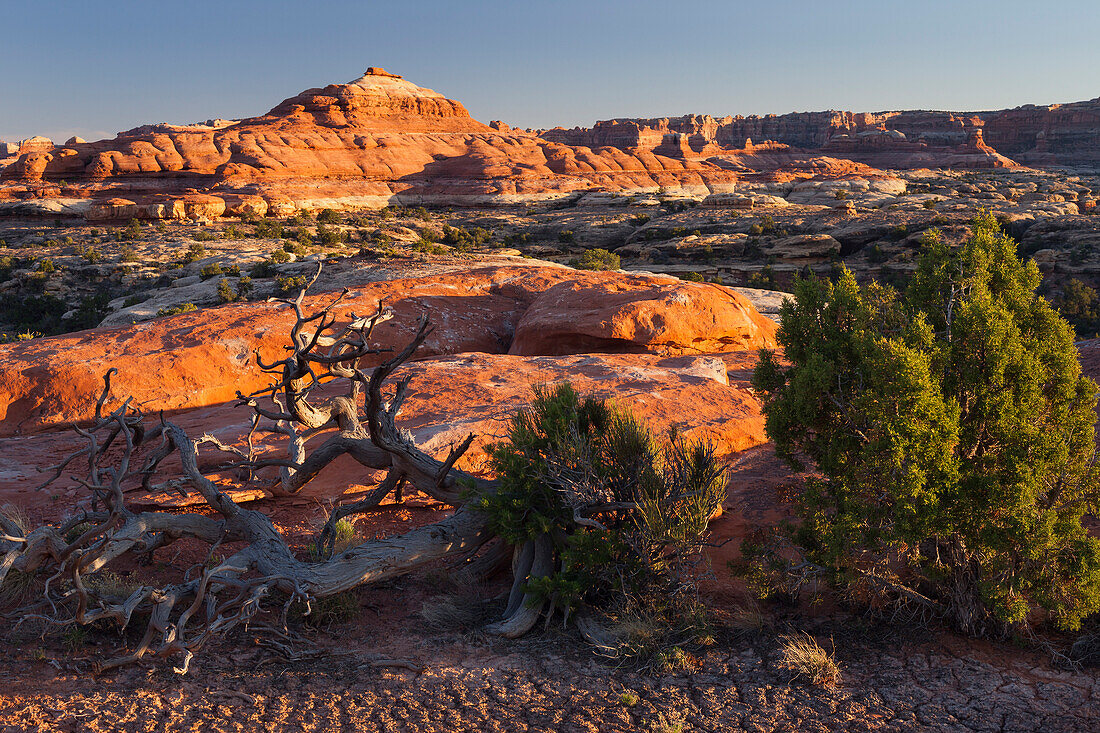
381,139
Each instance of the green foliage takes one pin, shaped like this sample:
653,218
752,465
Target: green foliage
245,287
566,236
625,514
597,259
226,293
465,239
279,256
33,313
267,229
127,254
201,235
329,216
210,270
765,279
639,219
1078,304
92,310
176,310
953,432
194,253
287,286
694,277
328,236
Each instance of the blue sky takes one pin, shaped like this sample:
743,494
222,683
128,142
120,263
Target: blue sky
94,68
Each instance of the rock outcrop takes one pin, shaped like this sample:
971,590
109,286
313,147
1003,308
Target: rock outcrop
204,357
381,139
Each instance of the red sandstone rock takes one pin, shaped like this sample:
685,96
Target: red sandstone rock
634,314
203,358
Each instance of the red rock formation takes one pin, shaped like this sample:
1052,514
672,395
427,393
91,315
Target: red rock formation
375,140
204,357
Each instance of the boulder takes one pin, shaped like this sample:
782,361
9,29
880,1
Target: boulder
640,314
112,210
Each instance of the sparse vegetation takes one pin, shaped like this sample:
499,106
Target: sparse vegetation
597,259
802,657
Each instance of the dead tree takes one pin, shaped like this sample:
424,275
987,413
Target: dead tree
257,584
261,580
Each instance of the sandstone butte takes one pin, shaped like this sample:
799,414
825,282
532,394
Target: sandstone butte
381,139
657,341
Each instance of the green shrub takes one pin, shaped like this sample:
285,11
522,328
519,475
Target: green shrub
694,277
194,253
265,268
597,259
226,293
90,312
330,237
953,434
566,236
465,239
626,515
1079,304
245,287
287,286
267,229
127,254
280,256
210,270
175,311
201,235
328,216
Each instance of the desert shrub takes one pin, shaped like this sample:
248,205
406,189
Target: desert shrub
329,216
428,247
131,232
626,514
597,259
465,239
176,310
765,279
92,310
266,268
210,270
38,313
201,235
953,434
330,237
226,293
566,236
291,285
127,254
803,658
510,240
194,253
1078,304
639,219
841,194
876,255
694,277
267,229
245,287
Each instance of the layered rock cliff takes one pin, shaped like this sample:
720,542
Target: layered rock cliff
381,139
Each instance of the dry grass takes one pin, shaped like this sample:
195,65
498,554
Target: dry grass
461,608
801,655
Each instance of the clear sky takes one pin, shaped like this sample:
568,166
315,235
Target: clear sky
95,67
